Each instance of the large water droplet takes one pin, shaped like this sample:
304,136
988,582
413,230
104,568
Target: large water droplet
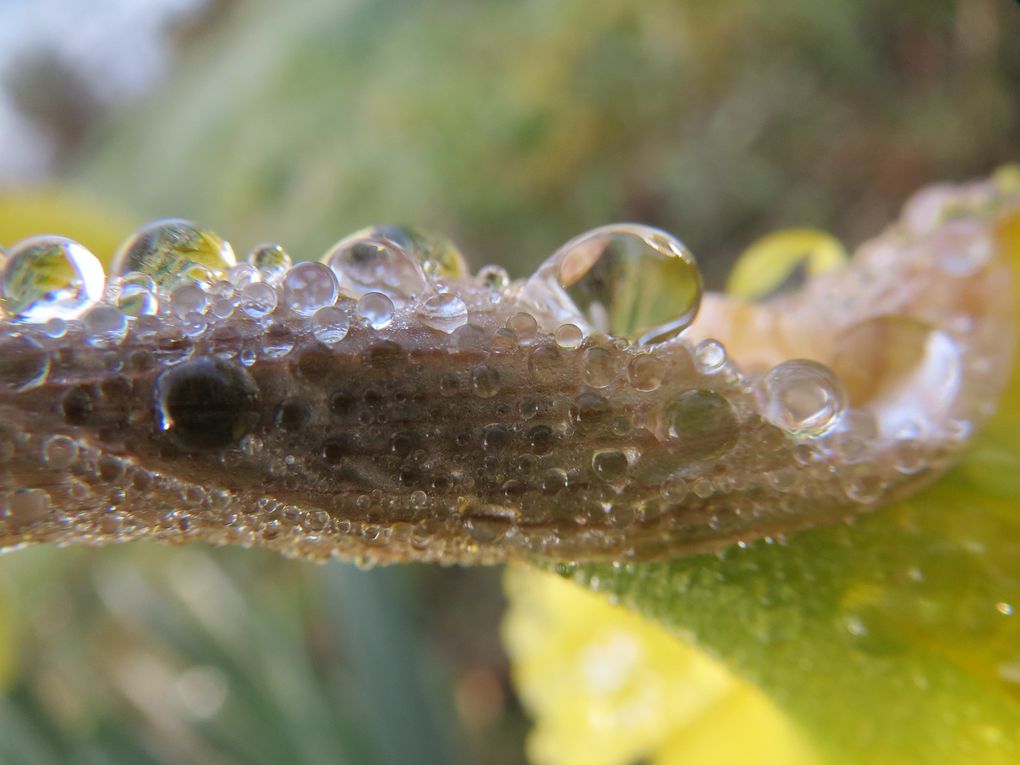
307,287
50,277
376,309
445,312
173,252
438,257
802,397
903,371
627,280
330,325
376,265
703,422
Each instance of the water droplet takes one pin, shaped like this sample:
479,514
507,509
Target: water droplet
103,326
494,278
802,397
23,363
646,372
702,488
1006,609
703,422
541,439
599,367
27,506
367,264
610,464
444,312
243,274
271,260
524,327
50,276
330,325
546,364
307,287
495,438
187,299
376,309
485,381
55,328
258,300
137,295
438,257
900,370
59,452
627,280
710,356
172,252
569,336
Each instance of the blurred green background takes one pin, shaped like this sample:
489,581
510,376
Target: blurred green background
510,127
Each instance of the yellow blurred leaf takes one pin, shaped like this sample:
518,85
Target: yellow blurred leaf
769,262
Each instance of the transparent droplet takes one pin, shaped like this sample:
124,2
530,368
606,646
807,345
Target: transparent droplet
376,265
901,370
546,364
307,287
55,328
27,506
600,367
377,309
50,276
494,278
802,397
59,452
243,274
524,326
187,299
646,372
438,257
485,381
271,260
173,252
103,326
702,422
137,295
24,363
258,300
445,312
626,280
710,356
610,464
568,336
330,325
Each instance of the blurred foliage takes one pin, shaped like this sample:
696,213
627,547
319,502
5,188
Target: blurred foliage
892,642
514,126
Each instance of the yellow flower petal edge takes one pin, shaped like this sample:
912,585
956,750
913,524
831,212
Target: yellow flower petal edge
768,263
893,641
608,687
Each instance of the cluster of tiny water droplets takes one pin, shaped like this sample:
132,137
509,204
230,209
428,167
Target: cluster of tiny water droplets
421,411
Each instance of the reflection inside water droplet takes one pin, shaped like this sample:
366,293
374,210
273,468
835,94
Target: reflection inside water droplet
626,280
173,252
50,277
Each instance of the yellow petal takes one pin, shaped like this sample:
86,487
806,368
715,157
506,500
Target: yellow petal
769,262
